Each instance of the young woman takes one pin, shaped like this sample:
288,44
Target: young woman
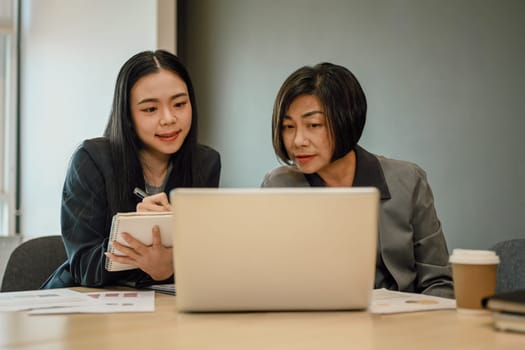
318,118
150,142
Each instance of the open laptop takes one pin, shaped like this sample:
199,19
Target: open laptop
274,248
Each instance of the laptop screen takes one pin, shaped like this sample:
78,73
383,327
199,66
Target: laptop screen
274,248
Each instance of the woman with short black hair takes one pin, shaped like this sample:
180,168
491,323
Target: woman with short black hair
318,118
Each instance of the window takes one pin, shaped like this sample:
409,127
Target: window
8,113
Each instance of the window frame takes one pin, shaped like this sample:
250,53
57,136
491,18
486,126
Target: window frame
9,90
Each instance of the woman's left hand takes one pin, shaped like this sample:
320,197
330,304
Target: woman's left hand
156,260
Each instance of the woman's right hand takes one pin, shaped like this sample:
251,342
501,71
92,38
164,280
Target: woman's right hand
156,202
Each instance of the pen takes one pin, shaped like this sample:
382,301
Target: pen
140,193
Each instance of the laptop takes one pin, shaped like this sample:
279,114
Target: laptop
274,249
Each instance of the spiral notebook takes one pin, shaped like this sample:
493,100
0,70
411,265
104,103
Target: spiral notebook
139,225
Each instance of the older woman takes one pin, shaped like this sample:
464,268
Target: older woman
318,118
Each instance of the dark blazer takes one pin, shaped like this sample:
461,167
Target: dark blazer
413,254
86,215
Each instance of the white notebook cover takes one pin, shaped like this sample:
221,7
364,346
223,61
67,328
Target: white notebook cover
139,225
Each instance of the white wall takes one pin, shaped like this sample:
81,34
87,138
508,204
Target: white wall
444,80
71,53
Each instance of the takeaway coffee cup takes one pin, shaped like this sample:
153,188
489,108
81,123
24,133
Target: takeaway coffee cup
474,274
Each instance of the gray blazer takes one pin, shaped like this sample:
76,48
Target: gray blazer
412,252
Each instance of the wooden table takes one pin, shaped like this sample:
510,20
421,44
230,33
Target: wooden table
167,329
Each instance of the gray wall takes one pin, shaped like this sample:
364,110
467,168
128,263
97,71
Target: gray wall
444,80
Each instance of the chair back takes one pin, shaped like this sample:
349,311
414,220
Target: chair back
511,270
32,262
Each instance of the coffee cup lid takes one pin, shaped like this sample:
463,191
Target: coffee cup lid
471,256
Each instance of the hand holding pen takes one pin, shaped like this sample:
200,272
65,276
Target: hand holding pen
155,202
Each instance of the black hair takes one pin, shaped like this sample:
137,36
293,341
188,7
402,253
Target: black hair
124,141
342,98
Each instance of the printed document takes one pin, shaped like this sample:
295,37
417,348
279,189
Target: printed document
386,301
